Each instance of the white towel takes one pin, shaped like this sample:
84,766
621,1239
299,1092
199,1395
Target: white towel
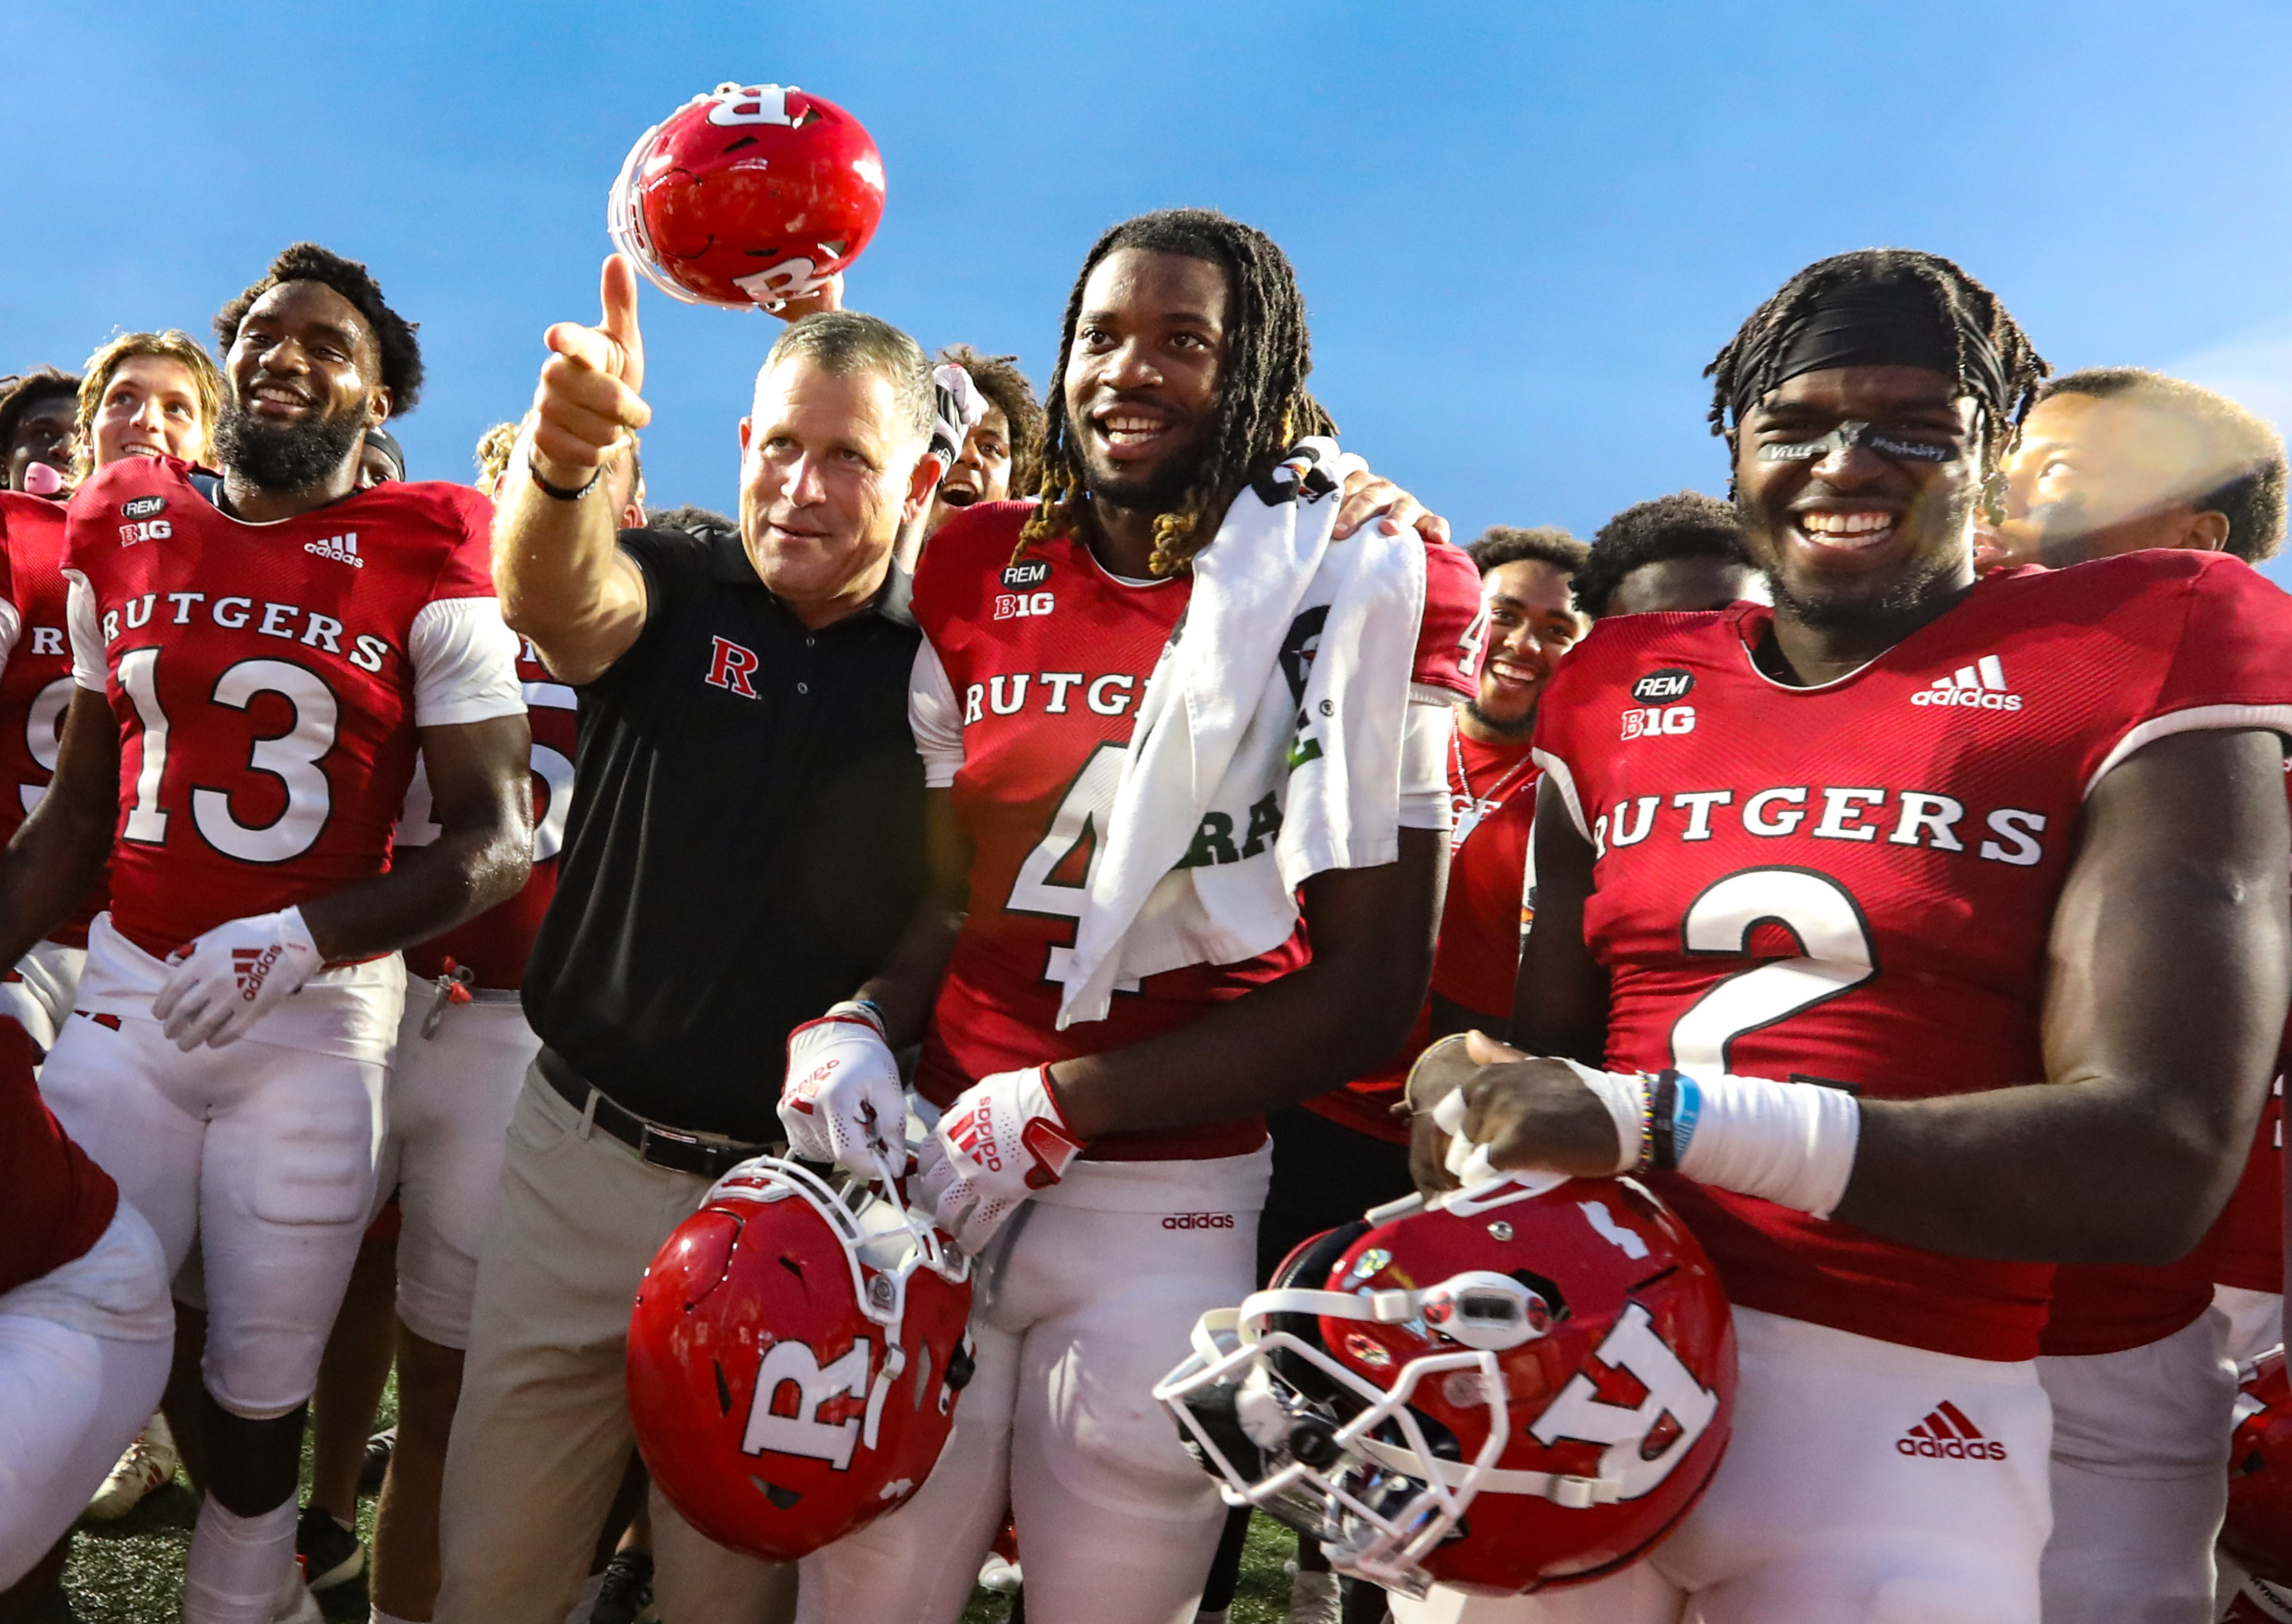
1267,747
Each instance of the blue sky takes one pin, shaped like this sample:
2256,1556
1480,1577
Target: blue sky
1522,228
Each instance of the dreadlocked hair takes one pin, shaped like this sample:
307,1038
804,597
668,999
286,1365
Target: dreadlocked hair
1970,310
1262,407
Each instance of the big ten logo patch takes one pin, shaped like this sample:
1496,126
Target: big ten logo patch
1018,606
730,667
1664,718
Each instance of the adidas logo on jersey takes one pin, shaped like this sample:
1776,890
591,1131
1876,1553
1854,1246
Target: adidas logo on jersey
1980,686
1947,1434
340,548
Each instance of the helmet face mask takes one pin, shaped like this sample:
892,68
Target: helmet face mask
1474,1428
747,196
795,1356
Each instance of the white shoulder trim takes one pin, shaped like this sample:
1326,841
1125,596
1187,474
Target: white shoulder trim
2197,719
12,627
1556,769
89,665
1425,801
464,662
934,718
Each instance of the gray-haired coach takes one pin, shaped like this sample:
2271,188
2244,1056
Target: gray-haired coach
745,849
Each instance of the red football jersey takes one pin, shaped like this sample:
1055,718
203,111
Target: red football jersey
2247,1246
54,1201
1048,660
1492,797
268,681
35,684
493,947
1851,885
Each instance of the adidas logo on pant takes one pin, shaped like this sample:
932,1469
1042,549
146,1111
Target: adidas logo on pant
1980,686
1947,1434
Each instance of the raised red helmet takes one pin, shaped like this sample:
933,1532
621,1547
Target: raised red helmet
795,1358
1524,1385
751,194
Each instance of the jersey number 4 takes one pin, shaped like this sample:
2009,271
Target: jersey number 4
1835,954
292,757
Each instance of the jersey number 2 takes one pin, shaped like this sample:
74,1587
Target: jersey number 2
1835,955
292,757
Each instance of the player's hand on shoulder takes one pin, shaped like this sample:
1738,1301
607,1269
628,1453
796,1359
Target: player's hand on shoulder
231,977
1482,1108
1003,1139
841,1101
589,397
1364,497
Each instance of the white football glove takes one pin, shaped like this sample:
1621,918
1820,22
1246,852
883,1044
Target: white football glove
1003,1139
232,976
843,1101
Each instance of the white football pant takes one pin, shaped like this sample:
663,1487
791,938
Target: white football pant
1827,1508
84,1353
263,1152
2140,1477
450,1097
1081,1304
38,992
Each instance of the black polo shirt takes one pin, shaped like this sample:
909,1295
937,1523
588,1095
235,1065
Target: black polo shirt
744,843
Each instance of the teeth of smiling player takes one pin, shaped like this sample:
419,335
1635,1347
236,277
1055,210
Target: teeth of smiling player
1843,524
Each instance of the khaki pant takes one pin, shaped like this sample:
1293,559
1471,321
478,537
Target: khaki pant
542,1433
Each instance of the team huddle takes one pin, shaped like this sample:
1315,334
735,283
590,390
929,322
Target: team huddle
1079,972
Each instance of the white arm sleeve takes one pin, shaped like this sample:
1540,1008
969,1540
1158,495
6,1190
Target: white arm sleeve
1425,733
88,663
12,627
464,663
936,720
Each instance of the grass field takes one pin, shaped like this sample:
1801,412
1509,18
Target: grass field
131,1572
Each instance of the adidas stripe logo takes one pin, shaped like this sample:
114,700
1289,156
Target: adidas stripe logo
1947,1434
340,548
1980,686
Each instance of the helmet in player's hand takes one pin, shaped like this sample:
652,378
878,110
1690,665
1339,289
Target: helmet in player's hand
751,194
795,1357
1526,1385
2258,1532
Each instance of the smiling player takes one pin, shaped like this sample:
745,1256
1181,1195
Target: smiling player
1823,882
256,659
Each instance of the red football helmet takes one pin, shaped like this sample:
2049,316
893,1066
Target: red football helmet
2258,1532
795,1356
751,194
1553,1356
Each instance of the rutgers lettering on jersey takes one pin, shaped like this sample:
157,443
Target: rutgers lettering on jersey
267,692
1041,704
36,682
1851,885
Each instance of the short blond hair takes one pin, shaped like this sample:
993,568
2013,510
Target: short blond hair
173,345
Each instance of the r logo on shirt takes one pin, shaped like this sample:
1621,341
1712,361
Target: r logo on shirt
728,665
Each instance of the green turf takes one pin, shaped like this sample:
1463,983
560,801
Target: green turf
131,1571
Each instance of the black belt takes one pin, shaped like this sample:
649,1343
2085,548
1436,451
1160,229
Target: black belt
678,1152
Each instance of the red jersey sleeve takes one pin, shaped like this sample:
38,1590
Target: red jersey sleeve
467,570
2230,665
1453,632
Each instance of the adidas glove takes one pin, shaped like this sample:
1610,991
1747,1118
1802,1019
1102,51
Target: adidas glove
843,1101
1003,1139
231,977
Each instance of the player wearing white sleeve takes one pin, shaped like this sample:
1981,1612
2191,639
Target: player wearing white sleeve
258,658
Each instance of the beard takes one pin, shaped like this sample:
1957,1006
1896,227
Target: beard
1516,728
1907,595
283,459
1159,489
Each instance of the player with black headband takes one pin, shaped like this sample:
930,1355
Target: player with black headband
1865,860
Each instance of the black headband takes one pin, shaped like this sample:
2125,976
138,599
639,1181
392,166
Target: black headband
1896,322
386,443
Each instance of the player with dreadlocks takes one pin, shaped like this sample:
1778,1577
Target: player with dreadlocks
1859,864
1112,1109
